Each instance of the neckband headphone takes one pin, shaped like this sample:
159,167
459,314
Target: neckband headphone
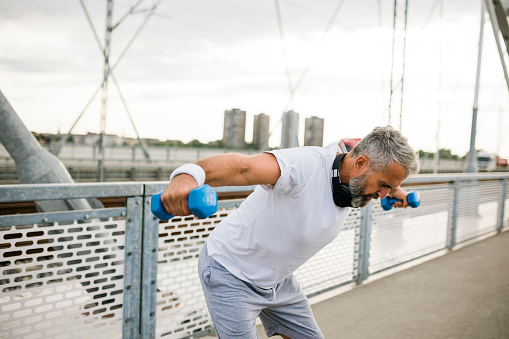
340,191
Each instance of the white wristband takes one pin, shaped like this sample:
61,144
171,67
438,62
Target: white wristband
191,169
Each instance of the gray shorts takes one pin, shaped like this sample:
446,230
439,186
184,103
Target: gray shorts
234,305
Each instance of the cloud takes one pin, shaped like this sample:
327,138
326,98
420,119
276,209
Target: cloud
196,58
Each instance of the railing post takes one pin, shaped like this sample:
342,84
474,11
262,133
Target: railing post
501,212
149,271
364,243
451,234
132,278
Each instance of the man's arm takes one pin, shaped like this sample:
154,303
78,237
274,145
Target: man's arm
221,170
399,193
240,170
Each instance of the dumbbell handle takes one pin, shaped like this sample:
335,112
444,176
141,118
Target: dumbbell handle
391,201
413,198
202,202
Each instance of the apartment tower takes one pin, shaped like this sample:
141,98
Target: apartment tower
313,133
234,131
290,130
260,130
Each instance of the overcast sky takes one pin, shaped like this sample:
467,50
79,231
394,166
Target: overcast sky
194,59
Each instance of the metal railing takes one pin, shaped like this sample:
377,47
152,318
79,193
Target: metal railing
141,170
119,272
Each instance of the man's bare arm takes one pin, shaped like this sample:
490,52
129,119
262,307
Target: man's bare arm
221,170
239,170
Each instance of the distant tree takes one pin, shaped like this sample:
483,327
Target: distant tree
194,143
446,153
215,144
250,145
423,154
44,138
178,143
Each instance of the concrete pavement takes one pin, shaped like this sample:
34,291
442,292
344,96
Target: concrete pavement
464,294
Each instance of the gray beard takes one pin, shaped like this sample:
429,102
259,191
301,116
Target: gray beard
357,187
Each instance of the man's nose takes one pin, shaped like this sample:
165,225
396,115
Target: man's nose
382,192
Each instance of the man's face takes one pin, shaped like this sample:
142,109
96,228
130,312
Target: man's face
375,184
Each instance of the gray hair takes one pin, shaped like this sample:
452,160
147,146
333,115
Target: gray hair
385,145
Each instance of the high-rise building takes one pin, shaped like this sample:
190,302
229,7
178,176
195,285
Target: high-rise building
313,133
234,132
260,130
290,130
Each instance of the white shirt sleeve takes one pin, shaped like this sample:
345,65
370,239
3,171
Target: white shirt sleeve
296,164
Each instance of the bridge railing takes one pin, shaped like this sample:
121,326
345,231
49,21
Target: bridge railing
119,272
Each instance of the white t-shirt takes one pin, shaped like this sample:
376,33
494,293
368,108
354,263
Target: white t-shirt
279,227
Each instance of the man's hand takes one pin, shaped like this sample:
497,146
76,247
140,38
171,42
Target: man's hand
175,195
400,194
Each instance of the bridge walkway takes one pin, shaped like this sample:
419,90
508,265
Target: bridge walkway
463,294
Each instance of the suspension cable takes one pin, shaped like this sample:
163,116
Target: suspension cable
283,46
306,69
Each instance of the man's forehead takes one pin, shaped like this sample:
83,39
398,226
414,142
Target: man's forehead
391,180
394,175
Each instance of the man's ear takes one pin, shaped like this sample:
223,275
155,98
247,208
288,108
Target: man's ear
361,165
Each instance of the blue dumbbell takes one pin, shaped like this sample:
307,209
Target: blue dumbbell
414,200
202,202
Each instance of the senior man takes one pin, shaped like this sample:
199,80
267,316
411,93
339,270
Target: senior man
301,203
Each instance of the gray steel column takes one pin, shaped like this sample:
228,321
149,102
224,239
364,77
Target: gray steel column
496,29
132,274
436,158
399,27
106,74
34,164
364,243
451,233
149,271
502,206
472,154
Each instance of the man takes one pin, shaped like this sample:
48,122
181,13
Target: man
301,203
